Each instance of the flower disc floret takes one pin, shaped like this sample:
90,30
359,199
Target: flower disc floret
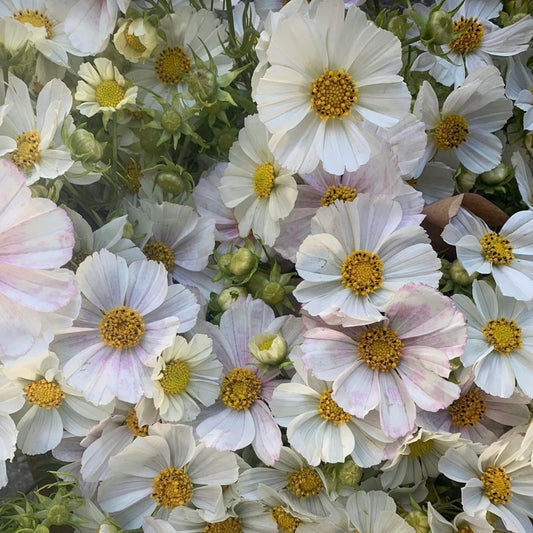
45,394
27,152
471,35
176,377
421,448
160,252
497,485
36,18
380,348
230,525
451,132
264,180
305,482
172,487
497,249
240,389
468,409
362,271
504,335
338,192
285,521
330,410
121,327
333,94
109,93
132,40
171,64
132,422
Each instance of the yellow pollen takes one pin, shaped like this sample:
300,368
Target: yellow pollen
44,393
380,348
160,252
421,448
267,344
171,64
240,389
264,180
328,409
333,94
132,40
230,525
471,35
504,335
77,259
132,421
176,377
172,487
338,192
468,409
121,327
36,18
285,521
412,182
451,132
27,152
362,272
497,249
465,529
497,485
305,482
109,93
133,175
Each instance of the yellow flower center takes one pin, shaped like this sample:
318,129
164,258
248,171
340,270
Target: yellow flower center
497,249
267,343
132,421
497,485
172,487
380,348
465,529
305,482
27,152
171,64
451,132
468,409
240,389
421,448
36,18
133,175
176,377
121,327
285,521
338,192
329,409
471,35
333,94
230,525
160,252
412,182
264,180
109,93
362,272
132,40
44,393
504,335
78,258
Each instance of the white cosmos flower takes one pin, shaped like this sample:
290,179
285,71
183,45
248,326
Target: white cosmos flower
326,74
358,255
166,470
461,523
524,178
135,39
506,254
519,83
479,40
468,117
259,190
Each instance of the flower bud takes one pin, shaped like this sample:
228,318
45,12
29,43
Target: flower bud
223,262
58,515
229,295
242,262
350,474
495,176
465,180
203,86
460,276
418,520
440,27
273,293
268,348
41,529
108,528
172,182
398,26
128,231
83,145
171,121
149,138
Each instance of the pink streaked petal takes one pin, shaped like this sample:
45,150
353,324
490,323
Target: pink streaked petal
12,183
147,286
432,359
268,388
357,390
267,441
221,347
396,409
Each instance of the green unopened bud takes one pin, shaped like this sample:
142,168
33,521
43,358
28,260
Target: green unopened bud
229,295
273,293
172,182
38,191
398,26
418,520
439,27
268,348
108,528
465,180
350,474
460,276
171,121
58,515
41,529
149,138
83,145
203,86
223,262
495,176
25,522
129,231
242,262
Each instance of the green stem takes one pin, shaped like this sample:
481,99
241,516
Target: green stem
81,202
184,147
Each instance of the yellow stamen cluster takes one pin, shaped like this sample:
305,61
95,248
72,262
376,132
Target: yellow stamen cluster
451,132
471,35
160,252
412,182
132,40
121,327
263,180
468,409
240,389
172,487
132,422
330,410
46,394
36,18
362,272
133,175
497,485
465,529
176,377
285,521
421,448
497,249
77,259
109,93
504,335
333,94
171,64
27,152
338,192
230,525
305,482
380,348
